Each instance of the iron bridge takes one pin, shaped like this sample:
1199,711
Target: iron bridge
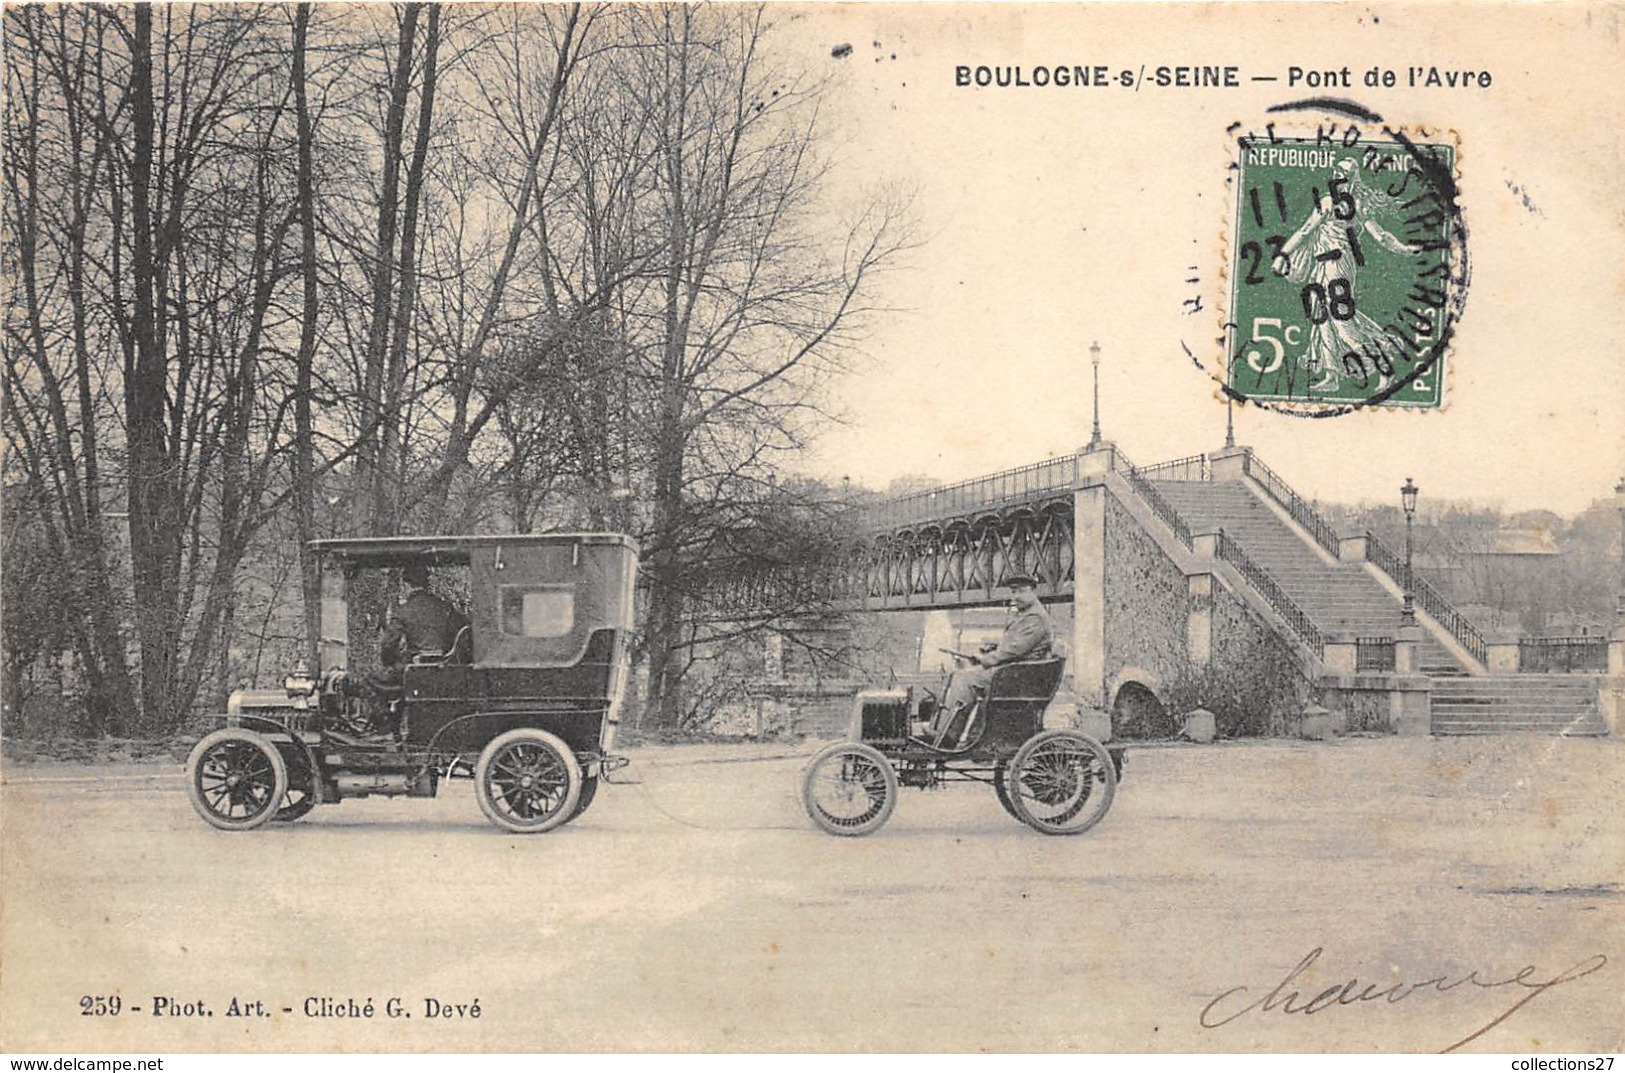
948,547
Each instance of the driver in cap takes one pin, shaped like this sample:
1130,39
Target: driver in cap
1027,637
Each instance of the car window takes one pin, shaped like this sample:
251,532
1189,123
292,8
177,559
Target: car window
538,610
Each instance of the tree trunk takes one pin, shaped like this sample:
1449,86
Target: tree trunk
392,462
665,567
304,460
155,539
367,492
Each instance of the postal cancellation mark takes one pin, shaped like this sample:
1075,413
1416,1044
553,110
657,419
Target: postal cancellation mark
1348,269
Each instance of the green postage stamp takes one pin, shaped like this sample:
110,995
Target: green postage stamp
1347,269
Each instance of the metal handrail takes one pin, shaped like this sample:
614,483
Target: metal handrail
1428,598
1259,579
1159,506
1378,555
1297,507
1165,471
994,490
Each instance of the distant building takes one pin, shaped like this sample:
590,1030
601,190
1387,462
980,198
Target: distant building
1507,584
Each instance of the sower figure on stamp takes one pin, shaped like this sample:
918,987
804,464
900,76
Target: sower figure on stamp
424,623
1027,637
1323,254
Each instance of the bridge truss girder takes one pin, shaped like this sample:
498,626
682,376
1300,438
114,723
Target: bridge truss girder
965,561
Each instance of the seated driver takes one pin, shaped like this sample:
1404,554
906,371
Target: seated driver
1027,636
424,623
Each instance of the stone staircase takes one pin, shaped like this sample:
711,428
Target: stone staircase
1339,598
1343,598
1527,703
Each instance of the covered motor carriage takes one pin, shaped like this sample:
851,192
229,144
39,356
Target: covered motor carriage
525,701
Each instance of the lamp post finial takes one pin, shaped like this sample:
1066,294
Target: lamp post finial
1094,360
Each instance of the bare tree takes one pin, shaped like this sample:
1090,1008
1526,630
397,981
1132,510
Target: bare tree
158,294
56,409
753,306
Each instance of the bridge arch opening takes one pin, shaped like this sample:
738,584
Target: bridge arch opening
1138,715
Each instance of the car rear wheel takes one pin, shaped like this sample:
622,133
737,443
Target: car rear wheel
295,803
1001,789
1061,782
301,795
236,779
589,790
849,789
527,781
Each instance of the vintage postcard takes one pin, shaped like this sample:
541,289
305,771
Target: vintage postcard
813,528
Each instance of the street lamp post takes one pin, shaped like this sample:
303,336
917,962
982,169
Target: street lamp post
1094,359
1407,495
1619,500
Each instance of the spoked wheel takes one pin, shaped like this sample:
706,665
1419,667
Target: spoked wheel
1001,789
295,803
527,781
236,779
849,789
301,795
1061,782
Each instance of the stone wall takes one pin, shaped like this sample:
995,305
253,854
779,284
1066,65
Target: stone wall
1147,601
1253,685
1367,709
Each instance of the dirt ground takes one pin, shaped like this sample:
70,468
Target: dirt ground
1357,895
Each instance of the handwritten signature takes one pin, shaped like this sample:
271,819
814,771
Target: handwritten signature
1289,1000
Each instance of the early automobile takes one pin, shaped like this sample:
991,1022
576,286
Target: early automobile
1060,782
525,701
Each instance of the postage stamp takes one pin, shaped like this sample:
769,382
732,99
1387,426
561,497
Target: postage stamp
1348,269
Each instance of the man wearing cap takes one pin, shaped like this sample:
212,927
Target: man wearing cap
1027,637
423,623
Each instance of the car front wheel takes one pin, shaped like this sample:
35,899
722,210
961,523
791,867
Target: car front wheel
849,789
236,779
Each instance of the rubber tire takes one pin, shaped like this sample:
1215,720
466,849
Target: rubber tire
279,779
572,774
839,753
1106,787
589,790
1001,790
300,781
293,810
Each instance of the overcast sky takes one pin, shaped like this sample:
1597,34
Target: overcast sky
1055,217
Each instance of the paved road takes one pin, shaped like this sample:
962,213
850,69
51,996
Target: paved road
699,910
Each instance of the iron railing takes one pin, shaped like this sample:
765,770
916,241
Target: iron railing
1563,655
1159,506
995,490
1299,508
1190,468
1260,580
1428,598
1374,654
1378,555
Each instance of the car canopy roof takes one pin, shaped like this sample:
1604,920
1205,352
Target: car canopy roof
451,550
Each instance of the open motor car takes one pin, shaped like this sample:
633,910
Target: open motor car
1060,782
